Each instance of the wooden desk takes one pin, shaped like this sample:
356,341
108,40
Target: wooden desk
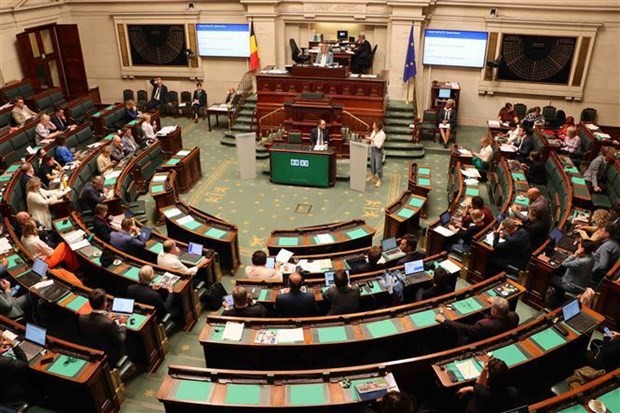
345,235
399,332
608,303
403,215
298,165
363,97
217,110
187,389
187,165
419,179
171,143
581,193
163,190
87,375
342,58
188,224
336,72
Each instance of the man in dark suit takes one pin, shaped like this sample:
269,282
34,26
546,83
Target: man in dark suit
361,54
296,303
128,239
20,219
159,96
244,306
527,143
92,194
144,293
13,373
320,134
101,223
511,246
500,321
27,172
408,244
342,297
537,229
101,331
373,256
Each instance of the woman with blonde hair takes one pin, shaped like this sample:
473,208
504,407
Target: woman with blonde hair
482,159
148,128
131,110
39,199
600,218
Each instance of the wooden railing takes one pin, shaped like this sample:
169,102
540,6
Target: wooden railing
354,124
244,89
271,122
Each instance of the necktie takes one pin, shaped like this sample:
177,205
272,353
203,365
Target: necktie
157,93
320,137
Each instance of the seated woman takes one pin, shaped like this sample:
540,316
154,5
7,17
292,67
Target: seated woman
534,116
38,201
148,128
442,284
507,114
466,233
534,168
199,100
49,170
45,129
63,153
447,121
104,161
569,123
577,276
572,142
595,233
62,254
131,111
324,57
482,159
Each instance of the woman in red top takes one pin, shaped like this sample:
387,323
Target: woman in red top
570,123
507,113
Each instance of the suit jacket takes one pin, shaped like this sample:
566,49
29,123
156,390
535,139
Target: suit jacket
504,252
342,300
9,307
523,152
536,173
485,328
328,60
102,229
117,153
61,124
451,117
200,97
163,94
146,295
90,197
125,242
537,231
18,115
296,304
412,256
250,311
314,136
99,332
13,376
596,170
362,53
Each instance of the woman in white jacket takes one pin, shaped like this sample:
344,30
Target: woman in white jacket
38,201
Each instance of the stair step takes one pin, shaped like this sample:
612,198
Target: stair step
251,98
400,115
400,105
398,130
403,145
242,127
397,121
243,119
246,112
396,137
404,154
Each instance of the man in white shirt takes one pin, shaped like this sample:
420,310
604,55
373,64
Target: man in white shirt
169,258
258,270
21,113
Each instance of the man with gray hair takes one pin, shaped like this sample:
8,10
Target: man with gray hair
500,321
361,54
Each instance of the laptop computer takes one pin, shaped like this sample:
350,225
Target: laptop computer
444,219
391,250
573,316
34,342
53,292
271,262
414,267
122,307
33,276
145,233
193,254
329,278
563,241
354,263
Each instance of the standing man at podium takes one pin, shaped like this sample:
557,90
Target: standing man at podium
320,134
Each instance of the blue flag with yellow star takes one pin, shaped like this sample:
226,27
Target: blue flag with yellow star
410,69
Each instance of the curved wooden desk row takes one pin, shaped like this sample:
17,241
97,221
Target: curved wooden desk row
321,239
188,224
608,303
188,389
116,278
605,388
142,332
397,331
109,117
581,193
419,179
68,367
403,215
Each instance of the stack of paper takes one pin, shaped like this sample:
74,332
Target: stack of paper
166,130
233,331
467,369
450,266
291,335
76,239
493,123
5,245
185,220
284,256
471,173
159,178
443,231
325,238
507,148
173,212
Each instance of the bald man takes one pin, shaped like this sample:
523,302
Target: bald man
169,258
296,303
538,203
118,150
92,193
361,54
21,218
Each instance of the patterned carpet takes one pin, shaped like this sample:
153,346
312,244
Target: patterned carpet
258,206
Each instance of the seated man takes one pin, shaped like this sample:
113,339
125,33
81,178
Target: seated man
101,223
27,172
577,276
607,254
526,145
101,330
92,194
320,134
21,113
343,298
129,143
160,94
244,306
537,202
442,284
128,239
13,373
152,295
10,306
596,174
296,303
22,217
59,120
169,258
118,149
511,246
408,244
537,230
258,270
45,129
374,255
500,321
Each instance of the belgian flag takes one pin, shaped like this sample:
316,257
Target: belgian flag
254,59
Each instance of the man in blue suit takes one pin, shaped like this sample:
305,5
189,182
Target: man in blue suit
296,303
128,239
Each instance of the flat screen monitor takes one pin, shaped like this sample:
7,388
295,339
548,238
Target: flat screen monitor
39,267
223,39
271,262
194,248
571,310
329,278
145,233
444,93
413,267
35,334
455,48
122,305
343,34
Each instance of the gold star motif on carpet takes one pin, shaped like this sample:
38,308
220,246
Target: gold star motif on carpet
149,393
257,241
214,199
370,214
372,204
185,347
220,189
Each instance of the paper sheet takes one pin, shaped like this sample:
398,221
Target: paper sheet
443,231
159,178
185,220
467,369
284,255
233,331
291,335
507,148
471,173
184,152
172,212
450,266
325,238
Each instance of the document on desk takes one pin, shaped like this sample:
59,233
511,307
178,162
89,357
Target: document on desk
186,219
507,148
493,124
159,178
450,266
291,335
74,236
166,130
266,337
184,152
464,152
467,369
309,266
471,173
172,212
232,331
5,245
471,182
325,238
284,256
443,231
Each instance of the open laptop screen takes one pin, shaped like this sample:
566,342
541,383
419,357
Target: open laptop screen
122,305
500,218
557,235
388,244
570,310
39,267
271,262
445,218
194,248
413,267
329,278
35,334
145,232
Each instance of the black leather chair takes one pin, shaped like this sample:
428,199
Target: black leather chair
298,56
186,97
520,109
588,115
143,99
368,69
172,104
128,95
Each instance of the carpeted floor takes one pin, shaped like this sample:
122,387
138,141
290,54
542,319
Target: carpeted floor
257,207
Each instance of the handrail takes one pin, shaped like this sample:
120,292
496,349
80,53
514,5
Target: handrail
272,120
245,89
353,123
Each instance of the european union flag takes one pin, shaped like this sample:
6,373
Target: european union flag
410,69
